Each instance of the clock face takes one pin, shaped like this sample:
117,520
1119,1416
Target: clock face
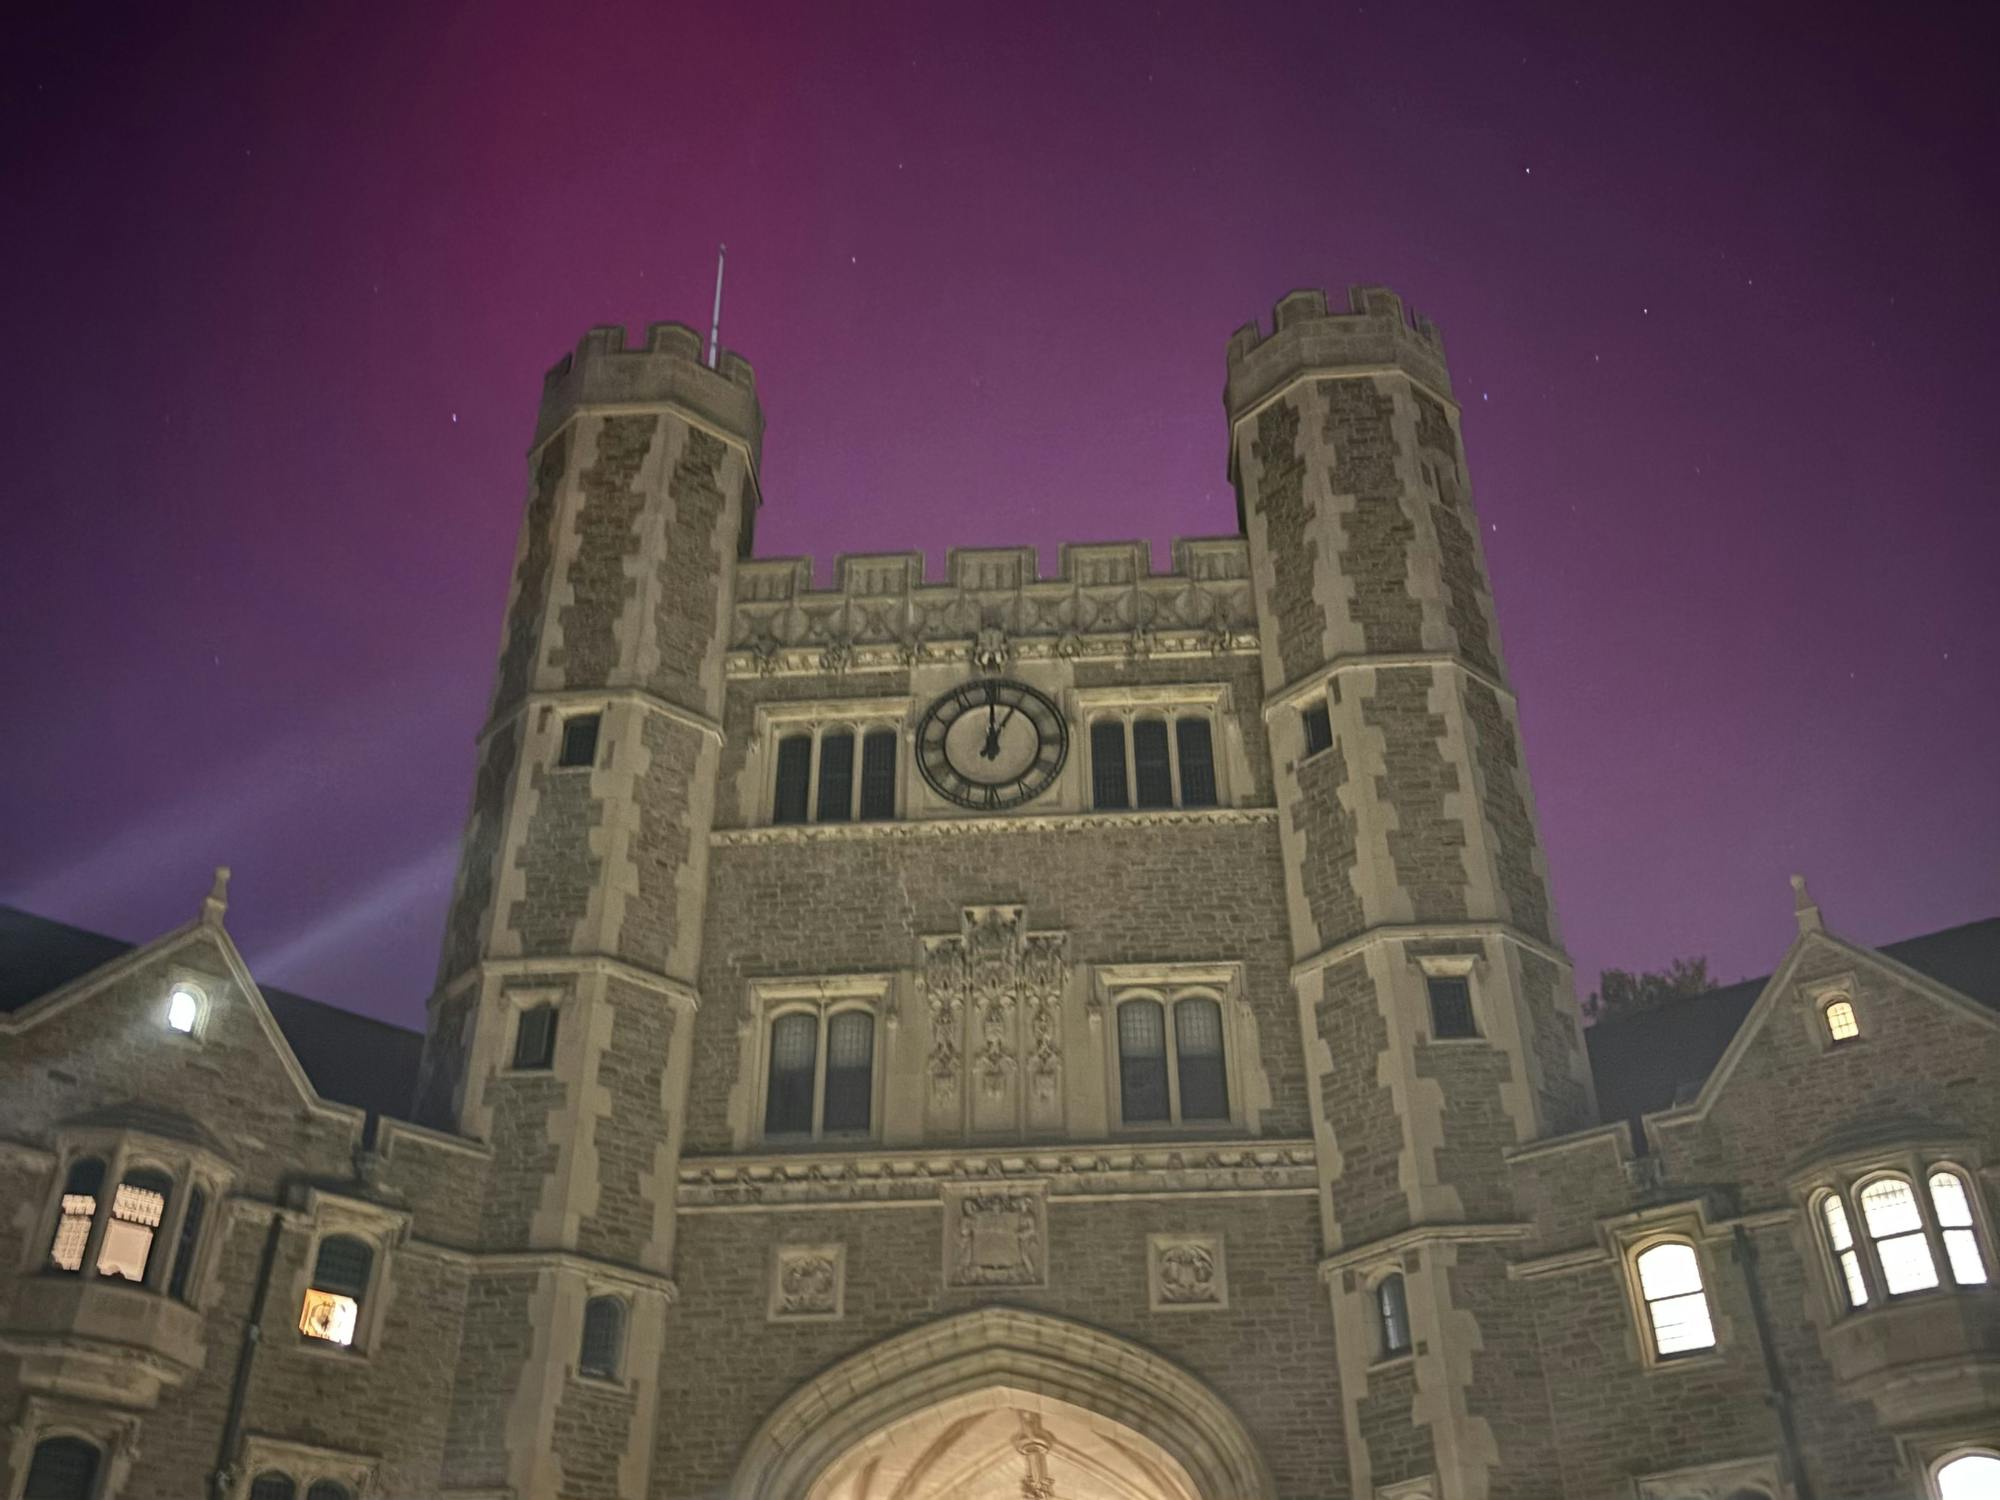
991,744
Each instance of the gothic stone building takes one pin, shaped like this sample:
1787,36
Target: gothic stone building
1103,1036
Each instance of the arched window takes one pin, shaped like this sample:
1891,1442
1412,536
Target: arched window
1969,1476
1676,1305
1197,757
794,779
1953,1207
327,1489
1895,1225
788,1103
603,1338
1142,1063
271,1485
182,1275
1392,1316
1841,1025
1152,768
1107,766
1198,1040
339,1285
878,775
136,1210
836,776
850,1071
63,1468
1840,1238
81,1190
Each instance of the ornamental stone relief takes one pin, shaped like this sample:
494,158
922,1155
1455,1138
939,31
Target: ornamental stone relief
807,1281
996,1236
1186,1272
994,995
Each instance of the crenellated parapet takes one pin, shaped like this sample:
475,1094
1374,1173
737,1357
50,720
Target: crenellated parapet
604,371
1376,332
1105,601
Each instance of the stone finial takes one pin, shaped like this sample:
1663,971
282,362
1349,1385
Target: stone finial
216,903
1804,907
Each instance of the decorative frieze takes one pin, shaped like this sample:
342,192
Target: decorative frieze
763,655
808,1282
913,1177
918,828
996,1235
1186,1272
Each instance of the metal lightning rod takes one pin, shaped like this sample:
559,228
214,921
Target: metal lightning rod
715,325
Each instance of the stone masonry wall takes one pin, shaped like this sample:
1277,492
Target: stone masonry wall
688,612
662,796
1426,843
1368,1200
600,578
631,1130
478,867
1294,551
531,577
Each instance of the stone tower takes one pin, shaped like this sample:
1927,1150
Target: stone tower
1439,1018
559,1030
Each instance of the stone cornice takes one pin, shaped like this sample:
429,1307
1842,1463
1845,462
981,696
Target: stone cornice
1392,1246
1156,1169
768,656
813,833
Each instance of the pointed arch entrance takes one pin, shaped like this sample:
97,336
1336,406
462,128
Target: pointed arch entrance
982,1398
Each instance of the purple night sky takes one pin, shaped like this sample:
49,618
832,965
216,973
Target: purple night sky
1719,294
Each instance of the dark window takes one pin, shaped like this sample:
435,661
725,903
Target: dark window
81,1191
836,776
1150,766
850,1070
535,1038
1319,729
184,1248
273,1486
1451,1006
579,741
603,1338
878,774
1107,765
788,1107
1142,1062
795,753
63,1468
343,1266
137,1209
326,1489
1197,761
1392,1309
1198,1047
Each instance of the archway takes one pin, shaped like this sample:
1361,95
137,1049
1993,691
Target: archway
969,1407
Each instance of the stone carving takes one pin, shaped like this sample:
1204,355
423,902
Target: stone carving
834,660
1756,1477
991,971
1186,1271
990,649
808,1281
996,1236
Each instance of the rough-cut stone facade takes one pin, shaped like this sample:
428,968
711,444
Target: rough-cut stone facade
843,1311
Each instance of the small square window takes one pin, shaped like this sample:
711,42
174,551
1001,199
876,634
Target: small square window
1451,1006
579,740
1319,729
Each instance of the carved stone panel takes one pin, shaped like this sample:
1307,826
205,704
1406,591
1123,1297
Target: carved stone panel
994,994
808,1282
1186,1272
996,1236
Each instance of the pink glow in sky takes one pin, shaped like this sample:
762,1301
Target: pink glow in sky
1719,294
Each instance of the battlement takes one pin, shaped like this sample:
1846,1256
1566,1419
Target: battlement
1105,599
1376,330
667,369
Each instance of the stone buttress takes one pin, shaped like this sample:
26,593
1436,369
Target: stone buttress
581,887
1411,856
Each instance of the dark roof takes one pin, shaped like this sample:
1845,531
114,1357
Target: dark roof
349,1058
1651,1061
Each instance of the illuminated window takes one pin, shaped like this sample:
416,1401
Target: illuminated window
79,1210
271,1485
1840,1022
1895,1225
136,1210
1953,1208
603,1338
821,1079
535,1038
579,741
332,1310
1969,1476
63,1468
1392,1316
1840,1237
1676,1305
183,1009
1171,1076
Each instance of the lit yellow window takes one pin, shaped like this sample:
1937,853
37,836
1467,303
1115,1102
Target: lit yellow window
1840,1022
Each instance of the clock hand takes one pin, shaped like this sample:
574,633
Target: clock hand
990,750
